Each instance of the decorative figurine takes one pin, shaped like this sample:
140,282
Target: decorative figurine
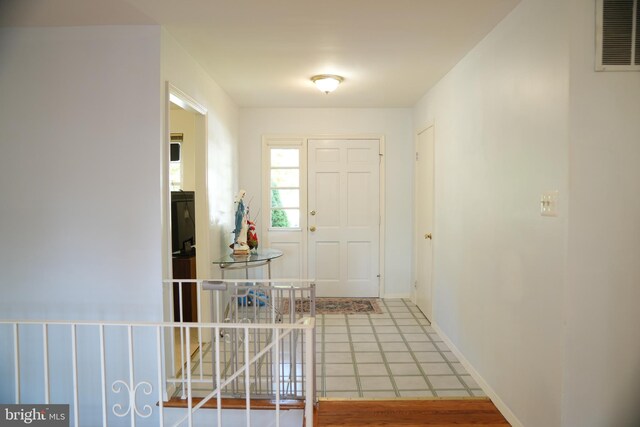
239,245
252,236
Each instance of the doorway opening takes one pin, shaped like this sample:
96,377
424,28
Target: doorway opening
187,207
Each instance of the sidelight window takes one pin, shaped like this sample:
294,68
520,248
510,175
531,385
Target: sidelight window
285,187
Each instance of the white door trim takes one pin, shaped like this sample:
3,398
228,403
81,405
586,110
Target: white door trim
273,139
174,94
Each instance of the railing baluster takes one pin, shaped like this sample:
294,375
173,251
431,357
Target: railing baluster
132,394
160,382
199,310
247,372
308,407
234,355
292,345
16,361
255,332
45,348
172,336
217,306
103,376
183,356
276,333
218,382
312,305
183,351
74,363
164,358
181,308
189,395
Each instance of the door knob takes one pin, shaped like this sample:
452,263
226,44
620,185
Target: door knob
313,213
312,228
428,236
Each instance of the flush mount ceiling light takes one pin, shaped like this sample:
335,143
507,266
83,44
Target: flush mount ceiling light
327,82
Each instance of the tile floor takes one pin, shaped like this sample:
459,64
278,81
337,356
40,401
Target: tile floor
394,354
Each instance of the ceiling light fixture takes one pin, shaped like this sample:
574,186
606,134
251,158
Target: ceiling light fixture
327,82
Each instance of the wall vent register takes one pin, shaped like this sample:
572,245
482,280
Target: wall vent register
617,35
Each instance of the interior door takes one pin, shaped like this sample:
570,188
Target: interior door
344,217
424,220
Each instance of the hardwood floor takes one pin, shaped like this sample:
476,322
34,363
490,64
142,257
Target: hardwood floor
237,403
445,412
408,413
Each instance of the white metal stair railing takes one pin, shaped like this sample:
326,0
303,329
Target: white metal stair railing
275,344
242,302
114,373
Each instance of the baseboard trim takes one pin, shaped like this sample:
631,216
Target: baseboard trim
500,404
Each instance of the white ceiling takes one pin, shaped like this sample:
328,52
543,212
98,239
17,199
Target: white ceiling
263,52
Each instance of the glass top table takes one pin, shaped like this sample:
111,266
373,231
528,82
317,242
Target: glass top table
259,258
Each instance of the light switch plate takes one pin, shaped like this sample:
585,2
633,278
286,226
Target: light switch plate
549,203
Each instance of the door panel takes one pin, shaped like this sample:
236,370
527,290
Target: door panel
343,217
327,186
424,220
358,196
358,254
327,257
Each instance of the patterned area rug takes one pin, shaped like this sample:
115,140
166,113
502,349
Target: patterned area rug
338,306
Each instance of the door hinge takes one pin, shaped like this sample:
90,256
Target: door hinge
417,156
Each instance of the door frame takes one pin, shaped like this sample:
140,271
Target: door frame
303,139
174,94
416,231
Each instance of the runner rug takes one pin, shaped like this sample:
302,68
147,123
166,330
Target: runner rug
338,306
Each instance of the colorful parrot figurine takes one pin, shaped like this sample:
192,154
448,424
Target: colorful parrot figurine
252,235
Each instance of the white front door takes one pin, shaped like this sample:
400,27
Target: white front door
344,217
424,220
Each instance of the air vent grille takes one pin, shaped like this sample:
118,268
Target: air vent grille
617,29
618,35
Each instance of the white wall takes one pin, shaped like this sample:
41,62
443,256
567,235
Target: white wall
182,71
602,357
394,124
80,212
501,138
79,173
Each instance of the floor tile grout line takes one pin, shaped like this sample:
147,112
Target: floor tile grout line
413,356
353,356
384,358
447,361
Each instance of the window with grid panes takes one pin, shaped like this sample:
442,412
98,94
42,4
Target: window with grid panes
285,187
